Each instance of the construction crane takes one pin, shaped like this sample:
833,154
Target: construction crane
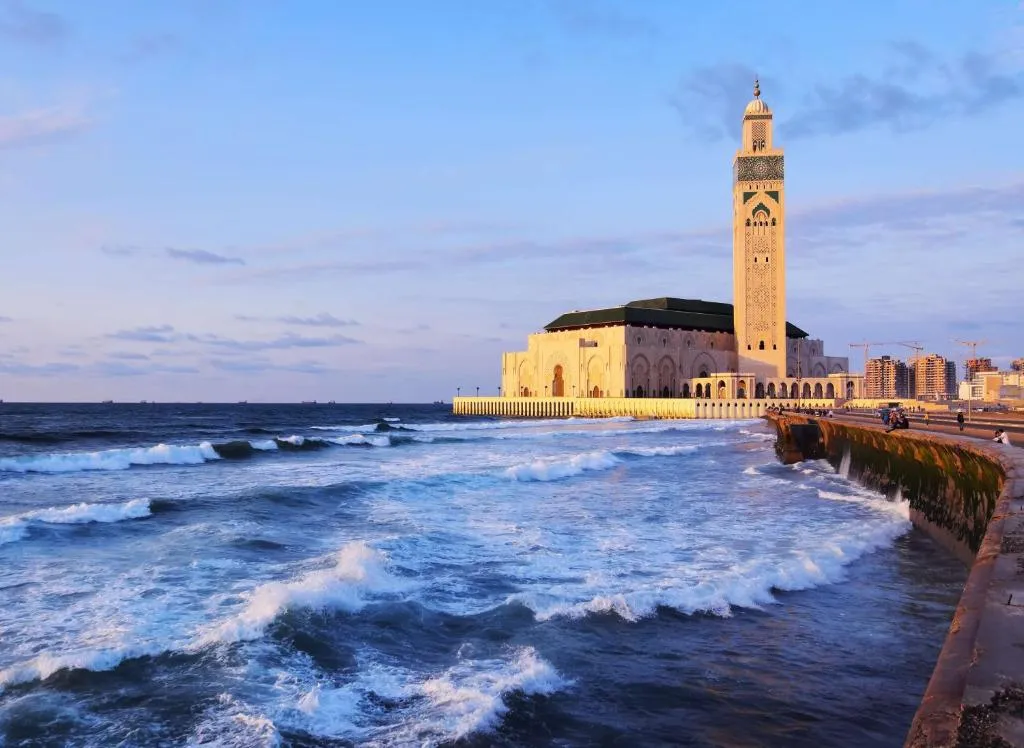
973,345
916,347
866,346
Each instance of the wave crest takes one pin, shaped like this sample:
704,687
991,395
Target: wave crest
359,569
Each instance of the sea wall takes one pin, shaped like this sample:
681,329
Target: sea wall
638,407
968,495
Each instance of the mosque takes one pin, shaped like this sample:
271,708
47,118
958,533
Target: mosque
688,348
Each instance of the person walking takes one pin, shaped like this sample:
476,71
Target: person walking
926,421
960,419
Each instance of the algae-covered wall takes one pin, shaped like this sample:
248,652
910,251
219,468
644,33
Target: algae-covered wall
951,486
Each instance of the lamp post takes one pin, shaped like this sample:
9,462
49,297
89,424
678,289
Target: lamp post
545,390
478,392
458,392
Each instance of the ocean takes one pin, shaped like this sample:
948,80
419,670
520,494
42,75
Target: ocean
391,575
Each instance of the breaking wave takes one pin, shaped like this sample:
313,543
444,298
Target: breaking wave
16,526
358,571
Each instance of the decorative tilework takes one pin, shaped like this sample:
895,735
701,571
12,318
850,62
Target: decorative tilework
758,168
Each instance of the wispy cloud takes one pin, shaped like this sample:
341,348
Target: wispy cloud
323,319
917,92
42,126
203,257
6,319
116,368
249,366
319,320
128,356
52,369
600,18
914,89
147,334
22,23
120,250
168,334
284,342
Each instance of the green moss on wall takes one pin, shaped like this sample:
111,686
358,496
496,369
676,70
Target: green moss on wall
951,485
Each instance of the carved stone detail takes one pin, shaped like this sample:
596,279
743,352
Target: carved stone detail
759,168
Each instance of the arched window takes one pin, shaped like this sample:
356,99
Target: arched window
830,391
817,390
807,389
759,391
793,391
760,346
558,383
686,389
771,390
721,389
849,390
703,373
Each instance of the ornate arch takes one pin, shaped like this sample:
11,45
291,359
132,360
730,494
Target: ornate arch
640,375
702,362
526,385
818,370
596,385
666,377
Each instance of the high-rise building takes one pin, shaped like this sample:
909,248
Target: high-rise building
886,378
934,377
977,365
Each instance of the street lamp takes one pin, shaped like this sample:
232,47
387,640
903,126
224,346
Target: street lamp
478,392
458,391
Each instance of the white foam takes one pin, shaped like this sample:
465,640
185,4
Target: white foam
375,440
679,449
558,468
264,445
746,585
899,508
358,570
111,459
363,427
15,527
392,420
470,697
12,530
46,664
84,512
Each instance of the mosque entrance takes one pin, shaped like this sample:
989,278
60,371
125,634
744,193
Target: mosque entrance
558,384
596,392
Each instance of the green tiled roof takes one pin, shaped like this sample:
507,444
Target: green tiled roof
682,314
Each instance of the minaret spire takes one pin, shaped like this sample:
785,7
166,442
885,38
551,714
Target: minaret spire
757,89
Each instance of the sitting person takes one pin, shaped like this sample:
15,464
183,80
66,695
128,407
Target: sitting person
1002,437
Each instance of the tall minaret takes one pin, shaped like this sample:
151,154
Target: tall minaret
758,249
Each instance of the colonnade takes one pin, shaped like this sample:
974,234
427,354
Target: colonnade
605,407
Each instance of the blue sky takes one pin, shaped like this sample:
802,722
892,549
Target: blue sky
281,201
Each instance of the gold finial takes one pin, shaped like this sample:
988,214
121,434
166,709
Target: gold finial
757,89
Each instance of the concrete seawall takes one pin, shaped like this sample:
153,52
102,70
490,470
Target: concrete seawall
969,495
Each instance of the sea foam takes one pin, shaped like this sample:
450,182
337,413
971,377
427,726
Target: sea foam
358,571
111,459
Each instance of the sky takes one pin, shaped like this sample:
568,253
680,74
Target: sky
220,200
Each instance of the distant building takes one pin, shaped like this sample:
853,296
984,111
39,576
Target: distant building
1018,364
886,378
975,365
993,386
934,378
